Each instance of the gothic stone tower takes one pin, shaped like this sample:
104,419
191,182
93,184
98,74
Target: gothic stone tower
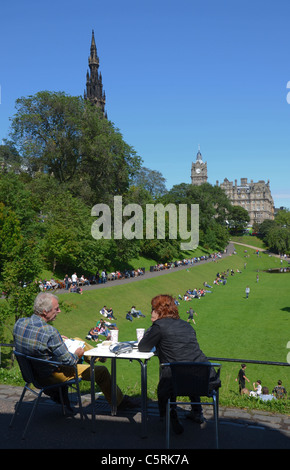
94,91
198,171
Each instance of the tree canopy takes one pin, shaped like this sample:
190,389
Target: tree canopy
276,233
62,159
67,137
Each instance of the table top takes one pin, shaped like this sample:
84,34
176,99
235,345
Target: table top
104,351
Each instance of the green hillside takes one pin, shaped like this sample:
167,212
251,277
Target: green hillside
227,325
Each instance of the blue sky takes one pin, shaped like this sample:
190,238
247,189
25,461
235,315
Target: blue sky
177,75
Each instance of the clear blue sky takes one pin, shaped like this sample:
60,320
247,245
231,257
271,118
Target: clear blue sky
177,75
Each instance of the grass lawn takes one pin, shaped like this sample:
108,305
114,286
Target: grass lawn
227,324
249,240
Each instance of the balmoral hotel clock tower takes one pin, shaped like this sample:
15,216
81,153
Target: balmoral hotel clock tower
198,170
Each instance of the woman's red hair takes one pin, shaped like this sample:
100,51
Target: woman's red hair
164,306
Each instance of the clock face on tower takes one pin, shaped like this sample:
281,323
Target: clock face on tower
198,171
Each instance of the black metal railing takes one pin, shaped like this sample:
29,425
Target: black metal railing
249,361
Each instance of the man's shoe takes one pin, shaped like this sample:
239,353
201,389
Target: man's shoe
174,421
70,410
129,403
197,418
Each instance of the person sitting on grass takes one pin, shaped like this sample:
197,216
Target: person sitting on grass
103,329
279,391
257,389
129,316
265,395
110,313
104,311
75,289
136,313
93,334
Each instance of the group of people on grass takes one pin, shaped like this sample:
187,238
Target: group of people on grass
278,392
103,327
221,278
190,294
73,283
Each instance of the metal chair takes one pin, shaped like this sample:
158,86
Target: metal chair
26,367
189,379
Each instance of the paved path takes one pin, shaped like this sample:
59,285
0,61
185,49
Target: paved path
149,275
263,250
238,429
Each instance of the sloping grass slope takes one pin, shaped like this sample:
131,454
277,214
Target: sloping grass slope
227,325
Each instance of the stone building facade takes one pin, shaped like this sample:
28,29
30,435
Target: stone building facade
256,198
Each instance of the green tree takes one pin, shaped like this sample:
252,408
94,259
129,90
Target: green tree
46,131
265,227
10,235
67,137
283,218
9,158
151,180
278,239
108,163
19,283
238,218
16,195
214,208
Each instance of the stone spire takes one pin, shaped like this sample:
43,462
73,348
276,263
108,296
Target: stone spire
94,86
198,155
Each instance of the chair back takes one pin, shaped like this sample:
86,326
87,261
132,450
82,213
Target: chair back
191,378
26,367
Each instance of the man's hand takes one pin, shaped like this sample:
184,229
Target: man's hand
79,352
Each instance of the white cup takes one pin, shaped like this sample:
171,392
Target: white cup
140,333
114,335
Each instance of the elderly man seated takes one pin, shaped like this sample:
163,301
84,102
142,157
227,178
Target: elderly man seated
34,336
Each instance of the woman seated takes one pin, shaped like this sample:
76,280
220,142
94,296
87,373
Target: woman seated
93,334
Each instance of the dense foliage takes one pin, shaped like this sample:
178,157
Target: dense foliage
276,233
62,159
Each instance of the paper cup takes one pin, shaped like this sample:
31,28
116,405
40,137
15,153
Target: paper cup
114,336
140,333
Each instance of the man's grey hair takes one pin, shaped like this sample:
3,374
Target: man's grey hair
43,302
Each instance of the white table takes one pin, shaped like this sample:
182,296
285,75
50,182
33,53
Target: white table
136,355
